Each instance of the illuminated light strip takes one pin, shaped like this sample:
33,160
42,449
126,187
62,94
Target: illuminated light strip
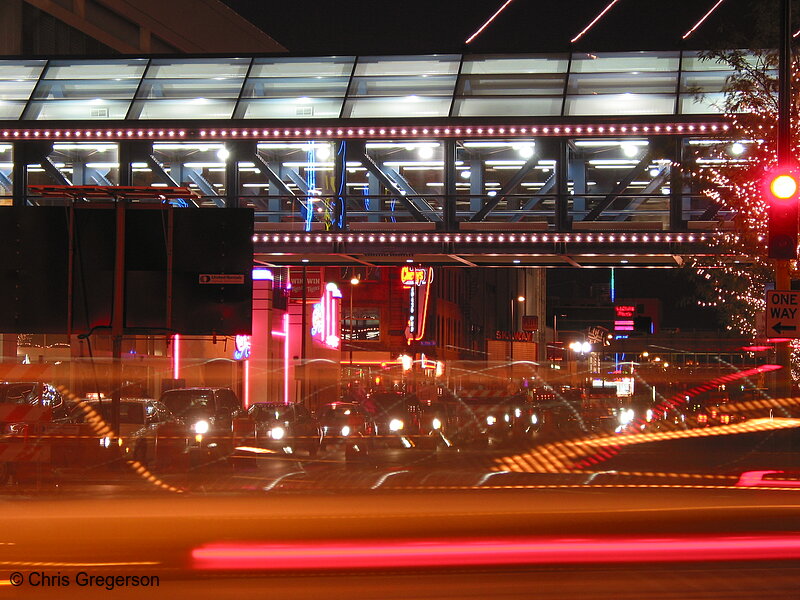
378,132
246,383
404,553
615,238
700,22
486,24
286,356
596,19
176,356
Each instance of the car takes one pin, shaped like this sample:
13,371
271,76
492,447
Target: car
141,421
346,424
202,421
33,393
286,427
396,417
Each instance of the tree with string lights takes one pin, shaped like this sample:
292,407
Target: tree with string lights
732,174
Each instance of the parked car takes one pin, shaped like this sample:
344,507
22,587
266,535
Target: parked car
285,427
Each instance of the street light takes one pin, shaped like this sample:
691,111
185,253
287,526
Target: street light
353,282
511,337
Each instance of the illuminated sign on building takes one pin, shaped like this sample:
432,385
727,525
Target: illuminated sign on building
623,317
414,276
325,321
241,347
418,281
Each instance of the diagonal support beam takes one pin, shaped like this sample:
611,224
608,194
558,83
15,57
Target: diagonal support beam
415,198
515,180
165,177
711,212
635,172
51,169
205,187
634,203
536,199
98,177
390,184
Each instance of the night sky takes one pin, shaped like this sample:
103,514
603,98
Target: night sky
417,26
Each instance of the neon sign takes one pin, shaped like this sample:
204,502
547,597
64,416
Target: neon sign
241,347
418,281
413,276
623,320
325,322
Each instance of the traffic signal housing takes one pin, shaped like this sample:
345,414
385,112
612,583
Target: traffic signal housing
782,190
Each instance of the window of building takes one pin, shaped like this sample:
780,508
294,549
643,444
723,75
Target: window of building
365,325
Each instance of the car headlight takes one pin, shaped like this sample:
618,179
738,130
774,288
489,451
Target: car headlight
201,427
345,430
105,442
277,433
534,419
395,425
490,420
626,416
436,423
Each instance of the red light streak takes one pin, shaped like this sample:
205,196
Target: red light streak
700,22
320,554
756,479
596,19
486,24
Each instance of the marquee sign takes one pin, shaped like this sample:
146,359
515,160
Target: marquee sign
325,317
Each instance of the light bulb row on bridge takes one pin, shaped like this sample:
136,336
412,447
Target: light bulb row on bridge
484,239
348,132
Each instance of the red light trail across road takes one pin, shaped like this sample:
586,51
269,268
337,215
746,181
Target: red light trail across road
367,554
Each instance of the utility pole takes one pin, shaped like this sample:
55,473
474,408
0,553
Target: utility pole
783,383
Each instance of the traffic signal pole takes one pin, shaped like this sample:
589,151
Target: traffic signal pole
783,382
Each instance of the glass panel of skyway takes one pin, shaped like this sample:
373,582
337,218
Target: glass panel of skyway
17,80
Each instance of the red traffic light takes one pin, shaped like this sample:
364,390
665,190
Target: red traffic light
781,183
783,187
781,190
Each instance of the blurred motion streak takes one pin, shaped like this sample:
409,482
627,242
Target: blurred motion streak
480,551
756,479
562,456
574,455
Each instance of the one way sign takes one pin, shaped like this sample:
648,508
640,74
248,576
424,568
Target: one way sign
783,314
